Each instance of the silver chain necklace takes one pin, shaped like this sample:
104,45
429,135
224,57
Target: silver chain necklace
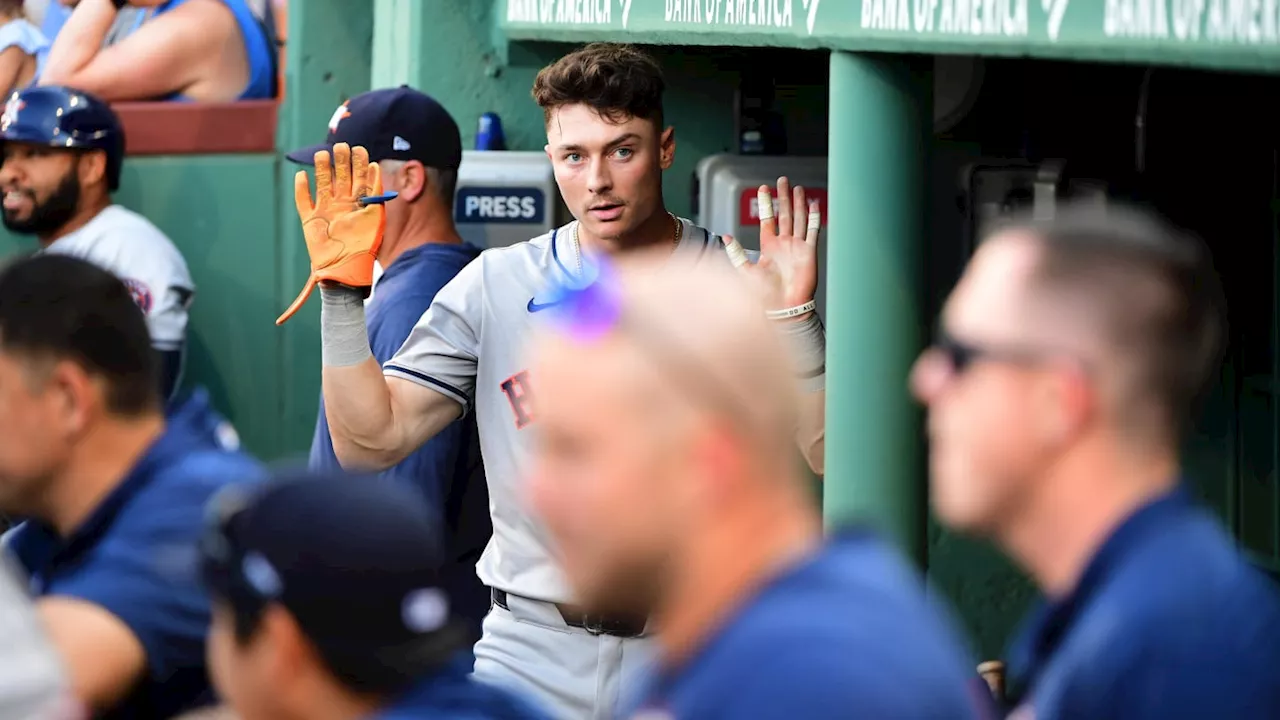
577,247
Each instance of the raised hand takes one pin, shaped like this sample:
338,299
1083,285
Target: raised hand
342,236
788,261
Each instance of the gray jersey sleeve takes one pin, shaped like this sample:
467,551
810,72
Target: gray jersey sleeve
33,683
441,350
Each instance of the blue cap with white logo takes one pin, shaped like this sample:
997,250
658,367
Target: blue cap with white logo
393,124
355,561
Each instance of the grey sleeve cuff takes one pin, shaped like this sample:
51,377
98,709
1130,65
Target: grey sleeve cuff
344,339
807,342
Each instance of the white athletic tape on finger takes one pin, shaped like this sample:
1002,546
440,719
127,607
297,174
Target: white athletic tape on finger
815,220
765,201
737,255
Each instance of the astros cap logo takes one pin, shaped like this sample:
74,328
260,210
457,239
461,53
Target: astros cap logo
11,109
338,116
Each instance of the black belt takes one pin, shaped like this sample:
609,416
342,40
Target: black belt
594,624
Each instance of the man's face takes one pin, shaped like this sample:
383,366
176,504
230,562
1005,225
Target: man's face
608,475
996,419
240,671
609,173
35,436
41,188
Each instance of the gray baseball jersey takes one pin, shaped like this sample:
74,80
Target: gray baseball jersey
33,683
127,244
469,345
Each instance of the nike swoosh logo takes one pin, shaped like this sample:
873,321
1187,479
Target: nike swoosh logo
535,307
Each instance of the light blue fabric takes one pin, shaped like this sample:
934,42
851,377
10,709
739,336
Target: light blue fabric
28,37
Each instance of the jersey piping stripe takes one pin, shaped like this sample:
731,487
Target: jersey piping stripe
706,240
454,392
555,254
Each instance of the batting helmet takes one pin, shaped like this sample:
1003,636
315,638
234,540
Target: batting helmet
61,117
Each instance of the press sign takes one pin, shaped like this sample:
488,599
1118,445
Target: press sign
499,205
749,204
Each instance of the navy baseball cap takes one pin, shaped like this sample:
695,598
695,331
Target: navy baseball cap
355,560
393,124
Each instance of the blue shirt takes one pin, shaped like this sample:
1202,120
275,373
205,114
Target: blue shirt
27,38
446,472
452,693
135,556
847,633
1167,621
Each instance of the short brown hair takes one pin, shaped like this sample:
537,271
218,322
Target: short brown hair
617,81
1154,293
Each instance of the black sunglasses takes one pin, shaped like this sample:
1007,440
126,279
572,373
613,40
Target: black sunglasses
961,355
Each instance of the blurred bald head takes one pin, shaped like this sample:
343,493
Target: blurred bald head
686,406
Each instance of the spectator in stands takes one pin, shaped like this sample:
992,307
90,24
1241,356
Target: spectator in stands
32,681
327,604
63,151
196,50
1071,354
22,47
113,493
418,147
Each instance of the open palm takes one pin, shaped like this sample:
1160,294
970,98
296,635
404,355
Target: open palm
788,262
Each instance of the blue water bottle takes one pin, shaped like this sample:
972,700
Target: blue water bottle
489,136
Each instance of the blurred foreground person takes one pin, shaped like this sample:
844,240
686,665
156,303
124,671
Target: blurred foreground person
113,492
1070,356
33,685
667,474
328,606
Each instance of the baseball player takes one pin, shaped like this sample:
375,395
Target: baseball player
62,152
609,147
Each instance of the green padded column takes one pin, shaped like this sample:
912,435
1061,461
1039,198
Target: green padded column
880,116
399,27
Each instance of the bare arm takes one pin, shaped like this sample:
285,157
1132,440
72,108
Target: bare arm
12,61
102,655
168,54
376,421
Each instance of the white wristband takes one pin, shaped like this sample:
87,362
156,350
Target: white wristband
791,311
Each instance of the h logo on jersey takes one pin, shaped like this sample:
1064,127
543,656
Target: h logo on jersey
141,294
516,388
338,115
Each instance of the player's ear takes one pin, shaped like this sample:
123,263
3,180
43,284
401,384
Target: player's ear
72,391
91,168
667,148
411,180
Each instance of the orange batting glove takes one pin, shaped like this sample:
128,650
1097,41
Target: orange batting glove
342,237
